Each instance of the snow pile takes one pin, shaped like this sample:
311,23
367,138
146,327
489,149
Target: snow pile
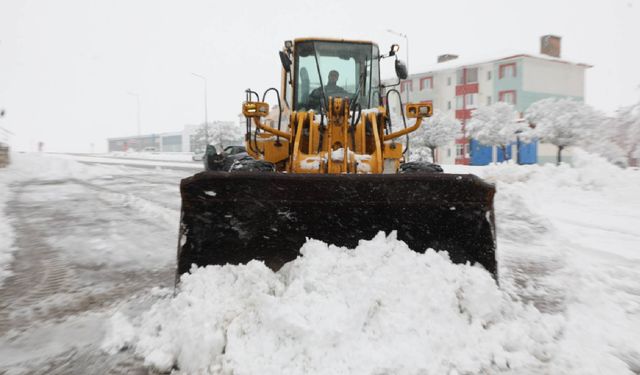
589,172
377,309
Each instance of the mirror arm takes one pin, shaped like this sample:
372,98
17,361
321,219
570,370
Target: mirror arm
271,130
404,131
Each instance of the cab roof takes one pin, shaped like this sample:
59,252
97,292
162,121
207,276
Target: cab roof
311,39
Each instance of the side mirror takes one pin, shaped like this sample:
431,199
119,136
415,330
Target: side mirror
394,49
401,70
286,62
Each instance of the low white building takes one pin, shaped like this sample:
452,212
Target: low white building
180,141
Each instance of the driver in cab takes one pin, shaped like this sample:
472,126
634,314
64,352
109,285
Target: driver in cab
330,89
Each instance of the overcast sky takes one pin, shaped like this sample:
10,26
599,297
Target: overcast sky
66,67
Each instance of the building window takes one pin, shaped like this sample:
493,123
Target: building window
460,77
449,104
448,81
472,100
489,75
507,70
466,101
464,76
507,96
489,100
406,85
448,152
459,151
472,75
426,83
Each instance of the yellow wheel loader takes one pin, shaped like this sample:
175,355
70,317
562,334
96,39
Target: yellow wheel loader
331,169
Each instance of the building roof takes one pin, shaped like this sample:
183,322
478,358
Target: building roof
507,55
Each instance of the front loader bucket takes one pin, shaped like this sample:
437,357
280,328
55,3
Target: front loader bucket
237,217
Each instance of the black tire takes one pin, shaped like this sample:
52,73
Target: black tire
249,164
419,167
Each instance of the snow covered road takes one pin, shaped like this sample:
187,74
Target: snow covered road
85,238
87,256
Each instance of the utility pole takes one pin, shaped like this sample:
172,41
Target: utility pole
206,120
406,39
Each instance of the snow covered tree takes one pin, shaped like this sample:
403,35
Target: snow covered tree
495,125
562,122
219,134
625,132
226,133
437,130
604,140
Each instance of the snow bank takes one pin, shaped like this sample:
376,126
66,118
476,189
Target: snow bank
379,308
589,172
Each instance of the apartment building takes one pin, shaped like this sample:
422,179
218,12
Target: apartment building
458,86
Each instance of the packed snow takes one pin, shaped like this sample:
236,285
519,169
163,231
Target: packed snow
568,300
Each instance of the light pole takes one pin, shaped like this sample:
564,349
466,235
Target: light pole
406,39
206,120
4,133
138,108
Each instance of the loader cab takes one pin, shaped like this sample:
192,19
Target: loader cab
313,60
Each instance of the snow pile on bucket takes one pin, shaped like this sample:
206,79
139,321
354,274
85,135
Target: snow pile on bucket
377,309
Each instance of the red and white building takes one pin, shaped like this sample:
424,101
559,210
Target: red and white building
458,86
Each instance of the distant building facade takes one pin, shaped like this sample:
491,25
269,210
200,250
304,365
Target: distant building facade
458,87
182,141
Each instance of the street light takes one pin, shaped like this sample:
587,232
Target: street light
138,107
406,39
204,79
206,120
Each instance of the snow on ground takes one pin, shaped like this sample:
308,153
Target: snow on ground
147,160
568,302
84,238
162,156
22,169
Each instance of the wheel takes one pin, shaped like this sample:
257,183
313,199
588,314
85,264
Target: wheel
249,164
419,167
